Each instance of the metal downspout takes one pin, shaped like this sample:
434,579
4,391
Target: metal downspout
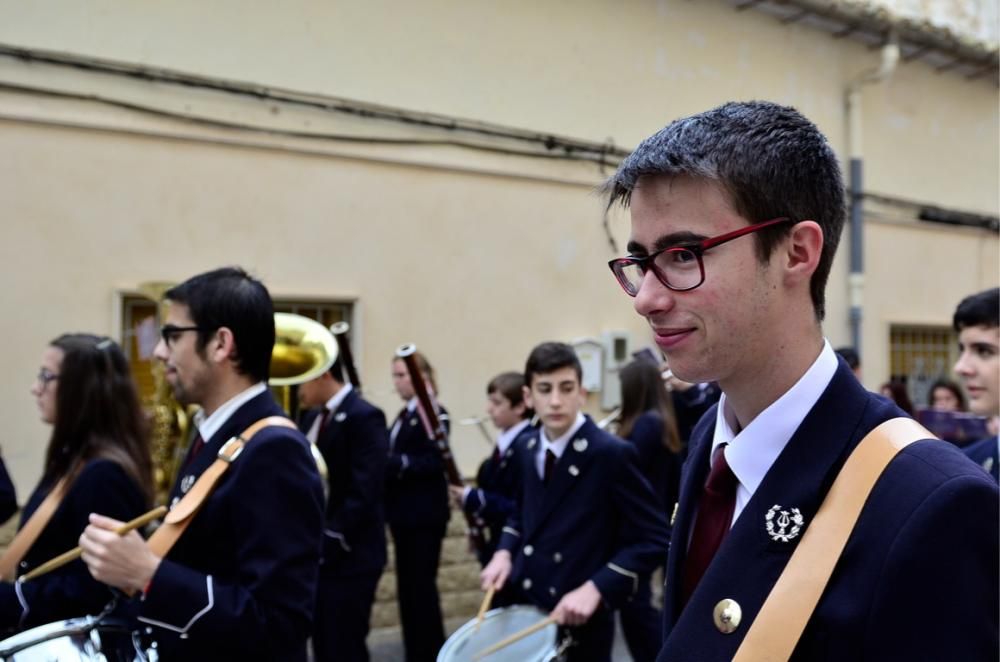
856,278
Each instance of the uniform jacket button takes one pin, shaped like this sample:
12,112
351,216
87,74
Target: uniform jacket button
526,584
557,557
528,550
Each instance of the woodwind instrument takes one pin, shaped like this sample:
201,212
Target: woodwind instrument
405,352
339,331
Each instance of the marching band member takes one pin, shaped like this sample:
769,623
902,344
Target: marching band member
240,582
351,435
416,507
589,527
494,498
736,214
97,462
648,421
977,322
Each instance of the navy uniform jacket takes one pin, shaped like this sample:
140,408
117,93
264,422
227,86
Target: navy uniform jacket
495,498
416,489
240,583
354,444
984,453
917,579
8,497
596,519
660,466
102,487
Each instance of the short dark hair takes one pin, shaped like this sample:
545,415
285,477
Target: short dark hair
980,309
230,297
337,371
769,159
98,414
850,356
508,384
549,357
951,386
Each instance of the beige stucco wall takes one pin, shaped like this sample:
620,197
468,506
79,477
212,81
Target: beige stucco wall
474,257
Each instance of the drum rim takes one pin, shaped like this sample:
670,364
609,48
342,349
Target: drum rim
454,639
48,631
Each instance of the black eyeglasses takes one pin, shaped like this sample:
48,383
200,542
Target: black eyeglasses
170,332
679,268
45,376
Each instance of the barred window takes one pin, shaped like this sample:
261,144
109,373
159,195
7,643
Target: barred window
919,355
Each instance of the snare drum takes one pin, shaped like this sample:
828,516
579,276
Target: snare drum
497,625
86,639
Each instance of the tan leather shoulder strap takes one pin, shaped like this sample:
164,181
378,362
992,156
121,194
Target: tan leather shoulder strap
29,533
791,602
184,511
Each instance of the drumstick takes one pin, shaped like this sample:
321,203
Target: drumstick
483,608
75,553
517,636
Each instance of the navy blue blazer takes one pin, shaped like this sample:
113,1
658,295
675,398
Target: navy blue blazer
240,583
597,519
416,488
102,487
917,579
354,444
984,453
660,466
8,497
495,497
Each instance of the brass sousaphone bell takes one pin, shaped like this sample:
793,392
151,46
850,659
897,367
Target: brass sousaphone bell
303,350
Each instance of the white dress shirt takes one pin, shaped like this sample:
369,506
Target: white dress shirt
558,446
752,451
210,425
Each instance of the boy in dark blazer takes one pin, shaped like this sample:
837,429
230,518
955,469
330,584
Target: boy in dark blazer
735,214
977,322
350,434
494,498
589,528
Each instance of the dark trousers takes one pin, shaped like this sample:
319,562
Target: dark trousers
593,640
642,624
418,552
343,611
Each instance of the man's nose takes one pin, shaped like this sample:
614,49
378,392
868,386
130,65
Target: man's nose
161,351
653,296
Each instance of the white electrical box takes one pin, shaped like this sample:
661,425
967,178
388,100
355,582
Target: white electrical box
591,355
617,352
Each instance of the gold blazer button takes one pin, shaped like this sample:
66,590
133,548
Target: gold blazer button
727,615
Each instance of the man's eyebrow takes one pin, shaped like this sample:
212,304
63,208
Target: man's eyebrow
684,238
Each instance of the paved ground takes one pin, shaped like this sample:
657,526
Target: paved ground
386,645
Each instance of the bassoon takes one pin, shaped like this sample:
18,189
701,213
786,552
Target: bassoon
339,331
406,352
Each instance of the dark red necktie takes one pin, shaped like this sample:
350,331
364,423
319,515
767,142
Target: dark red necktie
496,454
196,445
323,418
715,515
550,463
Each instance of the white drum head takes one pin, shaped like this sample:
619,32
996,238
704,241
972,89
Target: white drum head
73,640
496,626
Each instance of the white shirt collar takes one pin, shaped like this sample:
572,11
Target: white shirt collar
751,453
207,427
411,404
338,399
558,446
506,438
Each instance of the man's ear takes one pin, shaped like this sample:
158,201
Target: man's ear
803,250
526,393
222,345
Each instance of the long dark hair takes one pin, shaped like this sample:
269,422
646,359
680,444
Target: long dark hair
97,412
643,390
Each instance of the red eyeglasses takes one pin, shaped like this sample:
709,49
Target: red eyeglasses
679,268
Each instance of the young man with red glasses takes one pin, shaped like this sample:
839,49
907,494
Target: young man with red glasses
736,214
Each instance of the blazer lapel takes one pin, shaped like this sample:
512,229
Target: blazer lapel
692,480
569,470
